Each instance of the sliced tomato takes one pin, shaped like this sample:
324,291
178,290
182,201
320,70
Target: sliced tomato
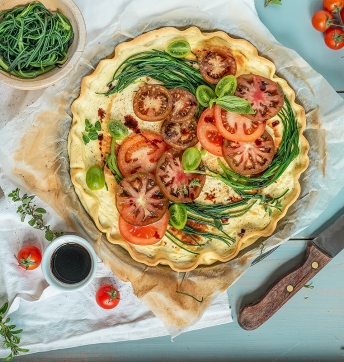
249,158
215,62
174,183
152,102
237,127
184,105
144,235
207,133
139,200
180,135
140,153
265,95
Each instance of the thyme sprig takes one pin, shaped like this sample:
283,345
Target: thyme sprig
91,131
27,208
10,335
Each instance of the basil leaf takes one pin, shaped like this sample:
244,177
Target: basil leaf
235,104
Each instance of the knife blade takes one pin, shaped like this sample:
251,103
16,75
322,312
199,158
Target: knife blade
319,253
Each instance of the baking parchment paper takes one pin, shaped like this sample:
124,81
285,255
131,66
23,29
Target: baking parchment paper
34,153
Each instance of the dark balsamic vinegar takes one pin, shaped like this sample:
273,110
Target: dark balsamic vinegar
70,263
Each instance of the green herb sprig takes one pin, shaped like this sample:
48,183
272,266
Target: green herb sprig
27,208
272,2
33,40
91,131
10,335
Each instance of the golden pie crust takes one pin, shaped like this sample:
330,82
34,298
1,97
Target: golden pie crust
101,204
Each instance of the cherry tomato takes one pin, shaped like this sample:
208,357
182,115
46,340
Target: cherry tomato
140,153
334,38
335,6
207,133
29,257
180,135
237,127
144,235
174,183
215,62
107,296
249,158
139,200
265,96
322,20
184,105
152,102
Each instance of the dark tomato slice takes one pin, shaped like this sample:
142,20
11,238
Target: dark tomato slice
249,158
144,235
215,62
140,153
152,102
180,135
265,95
184,105
139,200
207,133
175,184
237,127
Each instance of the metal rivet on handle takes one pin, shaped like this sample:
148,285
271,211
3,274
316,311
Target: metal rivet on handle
290,288
315,265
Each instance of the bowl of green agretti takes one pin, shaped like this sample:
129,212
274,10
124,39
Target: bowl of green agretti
37,57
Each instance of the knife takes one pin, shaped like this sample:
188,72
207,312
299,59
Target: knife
319,252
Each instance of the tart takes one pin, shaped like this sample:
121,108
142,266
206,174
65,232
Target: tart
128,122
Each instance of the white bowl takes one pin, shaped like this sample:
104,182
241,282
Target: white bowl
72,12
46,263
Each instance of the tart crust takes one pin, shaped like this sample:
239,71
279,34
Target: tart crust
101,204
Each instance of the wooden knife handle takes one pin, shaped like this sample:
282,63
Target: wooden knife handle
254,315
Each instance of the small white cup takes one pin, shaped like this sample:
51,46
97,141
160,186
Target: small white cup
48,254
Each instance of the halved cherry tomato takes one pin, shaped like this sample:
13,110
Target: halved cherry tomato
184,105
107,296
237,127
207,133
152,102
174,183
144,235
180,135
215,62
29,257
334,38
140,153
139,200
265,95
249,158
335,6
322,20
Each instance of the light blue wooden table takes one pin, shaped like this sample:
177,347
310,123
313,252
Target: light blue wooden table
310,327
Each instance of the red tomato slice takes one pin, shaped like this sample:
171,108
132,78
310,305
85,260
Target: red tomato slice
236,127
140,153
174,183
215,62
184,105
152,102
207,133
144,235
139,200
249,158
265,95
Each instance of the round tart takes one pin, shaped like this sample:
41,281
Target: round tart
229,201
